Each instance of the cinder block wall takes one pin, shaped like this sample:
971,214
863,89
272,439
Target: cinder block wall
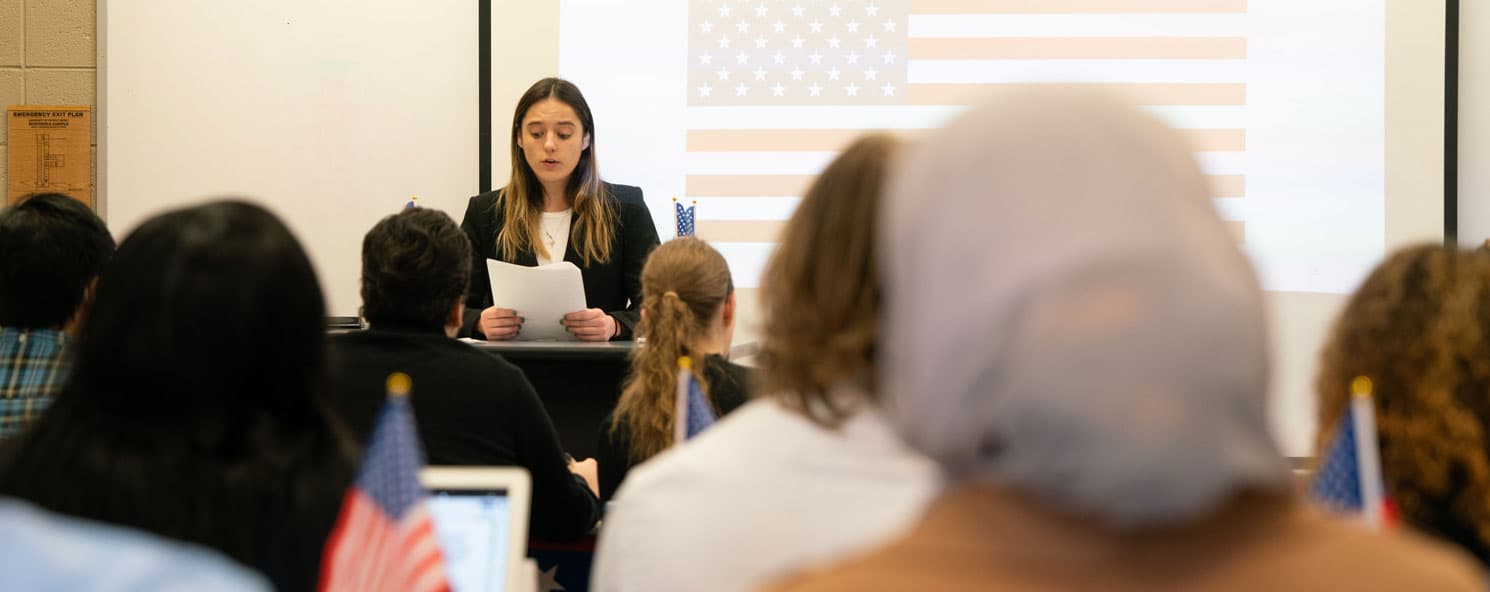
47,57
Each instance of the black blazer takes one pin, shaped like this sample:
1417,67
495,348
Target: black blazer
472,408
729,388
614,286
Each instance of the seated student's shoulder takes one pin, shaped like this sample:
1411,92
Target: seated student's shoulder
732,442
466,349
392,341
1399,559
354,341
488,363
432,350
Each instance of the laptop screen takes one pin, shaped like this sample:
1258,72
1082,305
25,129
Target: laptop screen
473,527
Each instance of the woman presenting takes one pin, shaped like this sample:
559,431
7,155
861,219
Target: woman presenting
555,208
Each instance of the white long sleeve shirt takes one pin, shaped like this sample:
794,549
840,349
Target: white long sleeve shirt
760,495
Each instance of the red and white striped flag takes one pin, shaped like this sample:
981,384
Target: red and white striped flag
777,87
384,539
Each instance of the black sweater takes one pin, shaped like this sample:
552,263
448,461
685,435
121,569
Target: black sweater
728,389
614,286
472,408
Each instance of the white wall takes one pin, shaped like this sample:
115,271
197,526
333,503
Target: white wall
331,113
1300,321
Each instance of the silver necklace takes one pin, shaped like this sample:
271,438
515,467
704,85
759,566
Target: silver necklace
549,238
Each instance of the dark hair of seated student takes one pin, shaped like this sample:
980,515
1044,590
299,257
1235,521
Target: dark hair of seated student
471,407
688,309
195,409
54,246
414,265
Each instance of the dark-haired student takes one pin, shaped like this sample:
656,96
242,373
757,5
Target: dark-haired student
472,407
195,409
54,248
555,208
689,310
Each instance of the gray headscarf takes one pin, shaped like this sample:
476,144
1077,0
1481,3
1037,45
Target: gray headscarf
1066,315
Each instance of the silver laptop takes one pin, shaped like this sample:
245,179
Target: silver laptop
481,521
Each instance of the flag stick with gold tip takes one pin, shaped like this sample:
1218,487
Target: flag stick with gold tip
399,385
1363,414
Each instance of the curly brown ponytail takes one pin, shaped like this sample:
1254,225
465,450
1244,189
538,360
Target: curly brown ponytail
684,284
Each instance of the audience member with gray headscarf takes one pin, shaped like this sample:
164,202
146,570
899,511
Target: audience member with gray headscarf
1073,334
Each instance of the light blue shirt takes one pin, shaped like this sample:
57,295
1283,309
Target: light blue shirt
45,551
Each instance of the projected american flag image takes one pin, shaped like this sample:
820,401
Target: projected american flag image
777,87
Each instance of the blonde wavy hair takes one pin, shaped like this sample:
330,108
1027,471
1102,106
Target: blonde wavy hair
1419,328
820,291
684,284
522,199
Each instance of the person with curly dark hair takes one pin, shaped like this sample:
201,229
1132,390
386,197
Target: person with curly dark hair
1419,328
472,407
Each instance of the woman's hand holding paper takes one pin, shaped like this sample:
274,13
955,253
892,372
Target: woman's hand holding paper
591,324
500,324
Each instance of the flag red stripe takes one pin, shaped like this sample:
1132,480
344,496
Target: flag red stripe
338,555
421,553
364,564
366,552
1079,48
363,561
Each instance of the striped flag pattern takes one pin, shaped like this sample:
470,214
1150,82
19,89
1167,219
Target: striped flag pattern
777,87
384,539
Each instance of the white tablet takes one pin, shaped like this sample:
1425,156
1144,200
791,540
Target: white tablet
481,521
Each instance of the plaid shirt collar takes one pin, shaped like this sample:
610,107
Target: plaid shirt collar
33,367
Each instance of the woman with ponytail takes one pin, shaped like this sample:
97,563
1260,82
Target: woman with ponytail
688,310
810,471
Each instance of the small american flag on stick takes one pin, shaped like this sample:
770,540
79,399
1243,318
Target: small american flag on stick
684,218
384,539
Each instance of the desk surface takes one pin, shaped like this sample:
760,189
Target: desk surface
571,350
742,353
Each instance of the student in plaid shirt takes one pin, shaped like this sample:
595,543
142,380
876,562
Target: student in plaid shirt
54,247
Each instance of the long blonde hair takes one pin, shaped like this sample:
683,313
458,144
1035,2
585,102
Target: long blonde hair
821,288
684,284
522,199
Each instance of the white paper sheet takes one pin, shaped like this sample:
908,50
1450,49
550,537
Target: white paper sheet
541,296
